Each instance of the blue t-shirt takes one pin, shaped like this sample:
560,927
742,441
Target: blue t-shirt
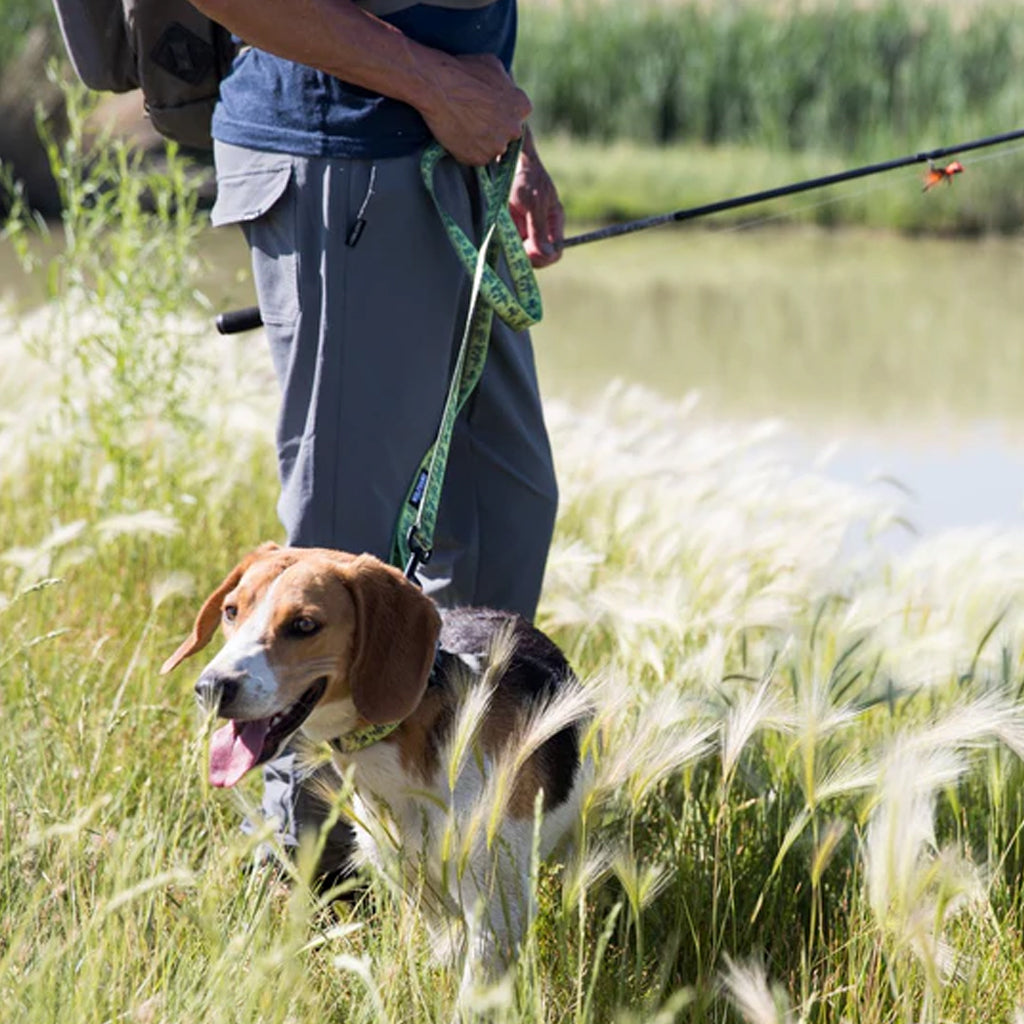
273,104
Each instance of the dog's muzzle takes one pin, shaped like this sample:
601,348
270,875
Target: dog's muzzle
216,692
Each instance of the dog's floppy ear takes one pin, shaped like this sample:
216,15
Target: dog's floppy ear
396,633
208,618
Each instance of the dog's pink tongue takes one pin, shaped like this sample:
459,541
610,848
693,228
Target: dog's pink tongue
234,749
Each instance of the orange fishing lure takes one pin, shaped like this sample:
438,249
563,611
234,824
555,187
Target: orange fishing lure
937,174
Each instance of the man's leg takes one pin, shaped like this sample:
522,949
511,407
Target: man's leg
366,365
500,496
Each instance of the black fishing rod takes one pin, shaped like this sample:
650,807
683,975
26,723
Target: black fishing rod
248,319
693,212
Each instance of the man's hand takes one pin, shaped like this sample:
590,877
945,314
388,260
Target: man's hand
474,108
535,208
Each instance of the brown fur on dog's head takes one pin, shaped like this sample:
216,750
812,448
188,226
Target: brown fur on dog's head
389,636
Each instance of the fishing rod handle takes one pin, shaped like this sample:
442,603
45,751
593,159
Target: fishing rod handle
236,321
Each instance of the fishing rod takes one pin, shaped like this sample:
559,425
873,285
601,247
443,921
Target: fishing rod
248,319
693,212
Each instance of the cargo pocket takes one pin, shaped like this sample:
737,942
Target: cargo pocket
253,192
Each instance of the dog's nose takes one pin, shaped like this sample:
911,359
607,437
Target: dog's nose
216,691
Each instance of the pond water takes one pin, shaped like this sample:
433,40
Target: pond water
893,362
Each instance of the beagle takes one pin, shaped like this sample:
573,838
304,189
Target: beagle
345,650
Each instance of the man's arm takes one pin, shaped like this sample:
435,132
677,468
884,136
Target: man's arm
470,104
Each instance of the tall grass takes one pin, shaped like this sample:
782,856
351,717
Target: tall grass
841,77
806,753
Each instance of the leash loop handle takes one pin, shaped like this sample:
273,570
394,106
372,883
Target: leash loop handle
520,307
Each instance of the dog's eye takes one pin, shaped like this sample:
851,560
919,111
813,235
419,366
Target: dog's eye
230,612
304,625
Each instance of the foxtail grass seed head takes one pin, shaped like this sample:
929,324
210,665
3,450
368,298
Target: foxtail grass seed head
915,888
756,1001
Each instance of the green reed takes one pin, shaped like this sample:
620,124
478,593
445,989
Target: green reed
839,77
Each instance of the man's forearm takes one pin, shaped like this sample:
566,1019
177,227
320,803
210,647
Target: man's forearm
334,36
470,104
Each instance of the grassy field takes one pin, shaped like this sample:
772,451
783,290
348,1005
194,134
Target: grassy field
808,802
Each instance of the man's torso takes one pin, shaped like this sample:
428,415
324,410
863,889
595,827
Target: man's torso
274,104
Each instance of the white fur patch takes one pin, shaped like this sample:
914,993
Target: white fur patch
431,839
245,655
474,662
329,721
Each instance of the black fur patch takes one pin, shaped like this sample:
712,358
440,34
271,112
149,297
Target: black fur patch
537,669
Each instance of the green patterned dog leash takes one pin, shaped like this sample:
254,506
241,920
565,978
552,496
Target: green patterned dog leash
519,307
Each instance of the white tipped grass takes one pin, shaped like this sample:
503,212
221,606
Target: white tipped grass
977,723
914,888
136,524
171,585
481,850
756,1001
635,749
475,702
851,775
946,607
28,395
641,883
568,708
72,544
712,649
759,709
59,410
735,543
586,870
361,968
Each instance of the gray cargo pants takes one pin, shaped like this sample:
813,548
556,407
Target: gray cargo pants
362,338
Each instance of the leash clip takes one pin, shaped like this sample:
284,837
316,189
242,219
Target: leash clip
419,554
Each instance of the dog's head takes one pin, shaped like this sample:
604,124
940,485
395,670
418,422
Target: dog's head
317,640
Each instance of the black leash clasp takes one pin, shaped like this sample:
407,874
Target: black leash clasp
419,554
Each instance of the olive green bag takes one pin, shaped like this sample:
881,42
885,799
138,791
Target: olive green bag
166,48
